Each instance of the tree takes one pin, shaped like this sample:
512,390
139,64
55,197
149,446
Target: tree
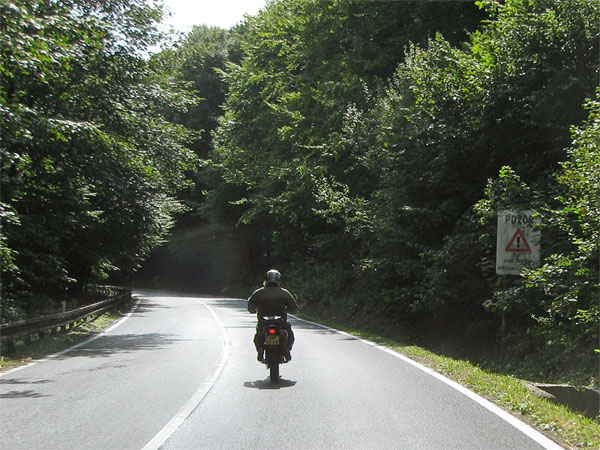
198,60
200,254
566,285
450,119
89,164
278,144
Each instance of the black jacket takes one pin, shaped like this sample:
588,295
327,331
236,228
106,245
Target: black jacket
272,300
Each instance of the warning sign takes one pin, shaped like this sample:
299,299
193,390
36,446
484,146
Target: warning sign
518,242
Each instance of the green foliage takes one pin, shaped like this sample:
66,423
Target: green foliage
560,296
429,120
567,283
197,60
542,58
308,66
89,162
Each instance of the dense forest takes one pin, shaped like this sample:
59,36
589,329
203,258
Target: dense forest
362,147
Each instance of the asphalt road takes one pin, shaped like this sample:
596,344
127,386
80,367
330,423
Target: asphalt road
181,373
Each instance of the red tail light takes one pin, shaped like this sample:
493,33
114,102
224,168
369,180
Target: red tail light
271,331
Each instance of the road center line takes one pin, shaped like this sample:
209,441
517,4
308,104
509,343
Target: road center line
173,424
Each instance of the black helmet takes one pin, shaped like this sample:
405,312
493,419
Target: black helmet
273,276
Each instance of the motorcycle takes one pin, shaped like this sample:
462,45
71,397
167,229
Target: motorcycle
274,344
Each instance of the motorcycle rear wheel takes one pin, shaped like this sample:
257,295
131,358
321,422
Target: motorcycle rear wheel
274,372
273,364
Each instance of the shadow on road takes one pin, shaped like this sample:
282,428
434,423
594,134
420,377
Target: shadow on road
15,381
146,307
233,303
22,394
124,343
266,384
304,325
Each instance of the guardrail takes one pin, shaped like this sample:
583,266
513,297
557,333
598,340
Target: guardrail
41,325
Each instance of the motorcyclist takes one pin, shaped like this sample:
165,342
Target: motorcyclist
272,300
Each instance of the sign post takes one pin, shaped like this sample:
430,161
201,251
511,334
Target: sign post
517,247
518,242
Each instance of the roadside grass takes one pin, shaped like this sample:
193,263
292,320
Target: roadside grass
54,343
518,397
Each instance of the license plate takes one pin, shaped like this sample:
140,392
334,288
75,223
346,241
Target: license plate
271,340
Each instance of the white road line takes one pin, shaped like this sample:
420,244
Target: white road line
81,344
518,424
172,426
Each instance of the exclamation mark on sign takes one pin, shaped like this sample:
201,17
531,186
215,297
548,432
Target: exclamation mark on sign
518,243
